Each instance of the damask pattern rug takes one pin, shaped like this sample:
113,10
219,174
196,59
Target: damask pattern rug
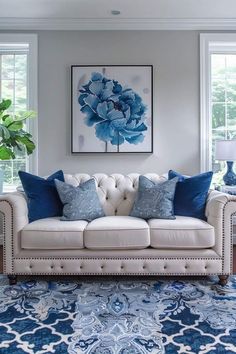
102,316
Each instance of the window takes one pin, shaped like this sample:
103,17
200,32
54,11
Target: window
18,78
13,86
218,97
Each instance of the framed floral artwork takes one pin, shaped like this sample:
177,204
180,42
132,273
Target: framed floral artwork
112,109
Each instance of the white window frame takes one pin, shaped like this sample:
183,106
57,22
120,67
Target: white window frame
210,43
32,85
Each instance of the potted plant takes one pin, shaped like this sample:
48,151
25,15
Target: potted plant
13,136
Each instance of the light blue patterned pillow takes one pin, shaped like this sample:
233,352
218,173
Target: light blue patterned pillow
80,203
154,200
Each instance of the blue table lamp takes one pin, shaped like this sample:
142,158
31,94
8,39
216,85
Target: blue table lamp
226,151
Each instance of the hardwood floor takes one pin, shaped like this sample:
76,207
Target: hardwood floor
234,260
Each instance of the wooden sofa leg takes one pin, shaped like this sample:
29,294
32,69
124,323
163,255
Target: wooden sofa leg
12,279
223,279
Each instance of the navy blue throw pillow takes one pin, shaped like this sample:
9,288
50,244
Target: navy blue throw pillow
42,197
191,194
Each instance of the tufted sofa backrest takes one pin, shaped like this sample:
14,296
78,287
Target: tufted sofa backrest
116,192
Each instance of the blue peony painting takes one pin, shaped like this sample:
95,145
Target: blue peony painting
111,109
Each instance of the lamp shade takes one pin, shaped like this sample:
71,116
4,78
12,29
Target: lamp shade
225,150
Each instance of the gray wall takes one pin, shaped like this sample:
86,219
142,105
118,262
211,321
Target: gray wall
175,57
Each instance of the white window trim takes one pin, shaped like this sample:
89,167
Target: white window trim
32,41
210,43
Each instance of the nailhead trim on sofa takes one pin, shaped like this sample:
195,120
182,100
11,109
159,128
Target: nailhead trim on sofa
114,258
4,237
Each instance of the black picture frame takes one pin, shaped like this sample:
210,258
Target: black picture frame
80,77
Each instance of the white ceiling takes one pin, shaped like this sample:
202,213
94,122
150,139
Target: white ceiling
128,8
90,14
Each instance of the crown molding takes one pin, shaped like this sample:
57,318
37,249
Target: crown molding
14,23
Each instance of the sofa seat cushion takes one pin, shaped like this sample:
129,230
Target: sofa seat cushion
117,232
183,232
52,233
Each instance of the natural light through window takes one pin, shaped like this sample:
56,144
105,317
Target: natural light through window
13,86
18,82
218,97
223,101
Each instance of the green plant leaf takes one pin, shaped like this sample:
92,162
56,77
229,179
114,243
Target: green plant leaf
15,126
12,135
4,105
29,144
8,120
25,115
4,133
5,116
6,153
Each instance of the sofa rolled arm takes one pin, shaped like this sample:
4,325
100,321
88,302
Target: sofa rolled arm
220,209
14,211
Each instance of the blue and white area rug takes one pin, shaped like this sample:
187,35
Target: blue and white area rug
118,317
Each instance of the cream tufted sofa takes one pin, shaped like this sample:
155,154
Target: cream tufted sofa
118,244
